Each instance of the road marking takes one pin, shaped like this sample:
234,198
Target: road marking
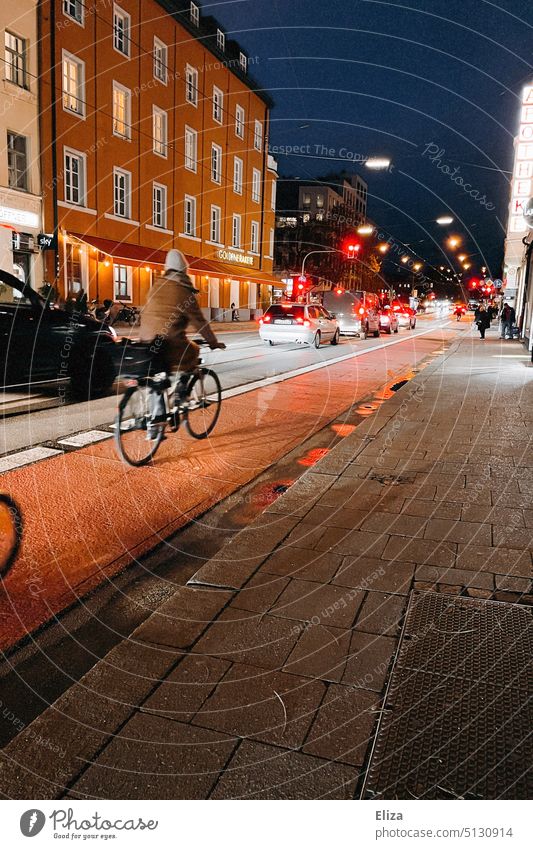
24,458
82,439
279,378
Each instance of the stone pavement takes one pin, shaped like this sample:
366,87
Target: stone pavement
265,676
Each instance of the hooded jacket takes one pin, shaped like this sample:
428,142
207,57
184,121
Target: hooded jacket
171,307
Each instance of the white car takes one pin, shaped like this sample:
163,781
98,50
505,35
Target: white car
305,324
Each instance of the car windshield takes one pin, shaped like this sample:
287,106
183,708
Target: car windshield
285,311
10,295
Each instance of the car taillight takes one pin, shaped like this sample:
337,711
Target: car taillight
266,318
299,321
307,323
361,311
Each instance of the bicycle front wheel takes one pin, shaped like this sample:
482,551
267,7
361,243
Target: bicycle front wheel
10,532
205,400
132,427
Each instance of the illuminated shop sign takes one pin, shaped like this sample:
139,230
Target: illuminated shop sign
522,185
21,217
235,256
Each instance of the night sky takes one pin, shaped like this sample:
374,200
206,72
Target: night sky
390,78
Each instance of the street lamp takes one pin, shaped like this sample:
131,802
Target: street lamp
383,248
365,230
404,259
377,163
461,257
445,219
454,242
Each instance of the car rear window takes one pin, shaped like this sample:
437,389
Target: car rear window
289,311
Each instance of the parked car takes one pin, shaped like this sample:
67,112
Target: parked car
307,324
388,320
406,317
357,312
43,344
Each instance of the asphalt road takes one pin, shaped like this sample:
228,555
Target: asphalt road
246,362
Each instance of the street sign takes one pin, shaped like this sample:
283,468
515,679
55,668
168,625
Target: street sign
497,284
47,241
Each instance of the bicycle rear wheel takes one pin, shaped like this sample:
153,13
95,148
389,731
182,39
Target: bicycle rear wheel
10,532
205,400
131,427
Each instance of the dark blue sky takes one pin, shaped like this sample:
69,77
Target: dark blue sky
376,77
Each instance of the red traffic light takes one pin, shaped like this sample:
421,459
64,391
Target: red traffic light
352,249
473,283
339,291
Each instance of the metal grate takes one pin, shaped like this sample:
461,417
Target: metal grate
458,720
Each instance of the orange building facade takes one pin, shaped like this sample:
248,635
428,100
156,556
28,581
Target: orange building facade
153,136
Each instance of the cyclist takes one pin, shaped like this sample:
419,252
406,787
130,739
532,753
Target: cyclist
172,305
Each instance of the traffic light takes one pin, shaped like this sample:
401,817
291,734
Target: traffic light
474,283
352,248
339,291
302,282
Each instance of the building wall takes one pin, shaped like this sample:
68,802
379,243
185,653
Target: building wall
20,210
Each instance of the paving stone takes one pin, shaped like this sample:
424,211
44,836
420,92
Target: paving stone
508,582
381,613
461,577
180,620
456,531
450,589
187,687
372,574
424,586
506,561
305,535
352,493
391,523
157,758
260,593
514,537
494,515
301,496
320,652
432,509
353,542
528,518
320,603
468,495
255,639
273,707
344,725
258,771
332,517
369,661
474,592
509,597
303,563
420,551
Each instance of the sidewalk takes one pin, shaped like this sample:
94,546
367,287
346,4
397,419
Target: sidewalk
218,326
267,676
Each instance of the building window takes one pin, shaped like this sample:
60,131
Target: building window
306,200
122,281
74,9
214,230
121,30
191,85
122,193
195,14
74,177
273,195
73,84
160,61
159,125
254,241
189,216
191,149
73,268
218,104
17,161
237,175
216,163
236,231
256,185
159,206
15,60
243,62
258,135
239,122
121,111
221,40
320,201
271,243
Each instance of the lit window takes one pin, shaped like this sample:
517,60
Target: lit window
221,40
320,201
73,84
258,135
218,104
237,175
256,185
15,60
121,30
74,177
189,216
254,241
159,121
216,163
271,243
191,149
159,206
191,85
160,61
74,9
306,200
121,111
239,122
243,62
214,231
273,196
195,14
236,231
122,193
17,161
122,281
73,268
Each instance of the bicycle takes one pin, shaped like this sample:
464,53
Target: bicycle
11,528
194,396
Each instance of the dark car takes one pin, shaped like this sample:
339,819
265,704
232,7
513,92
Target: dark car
43,344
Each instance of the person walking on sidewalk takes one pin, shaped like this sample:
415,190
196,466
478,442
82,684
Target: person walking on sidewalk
482,320
508,318
234,313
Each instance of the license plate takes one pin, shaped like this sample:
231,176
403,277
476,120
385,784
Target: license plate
282,321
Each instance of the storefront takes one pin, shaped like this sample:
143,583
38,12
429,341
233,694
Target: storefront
20,222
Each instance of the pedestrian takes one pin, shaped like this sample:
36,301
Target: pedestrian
234,313
507,318
482,320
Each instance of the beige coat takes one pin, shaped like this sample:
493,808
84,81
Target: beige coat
171,307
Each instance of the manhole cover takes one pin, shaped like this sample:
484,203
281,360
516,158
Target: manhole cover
458,720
